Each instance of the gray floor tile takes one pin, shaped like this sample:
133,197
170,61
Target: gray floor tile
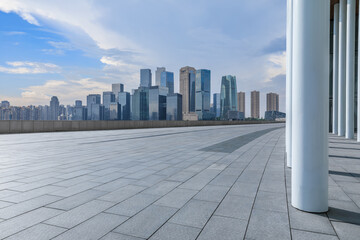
268,225
118,236
271,201
93,228
347,231
302,235
212,193
38,232
172,231
79,214
176,198
146,222
223,228
194,214
235,207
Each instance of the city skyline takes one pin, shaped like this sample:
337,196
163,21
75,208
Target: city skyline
46,53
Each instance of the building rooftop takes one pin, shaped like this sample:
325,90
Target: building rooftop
222,182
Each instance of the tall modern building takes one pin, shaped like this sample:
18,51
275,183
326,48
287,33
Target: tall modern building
157,103
216,104
114,111
54,108
108,98
140,104
255,104
187,89
272,102
167,80
202,93
116,89
174,107
80,112
125,105
228,97
241,102
158,72
5,104
93,104
145,77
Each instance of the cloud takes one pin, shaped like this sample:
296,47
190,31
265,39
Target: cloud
66,90
13,33
276,66
29,68
275,46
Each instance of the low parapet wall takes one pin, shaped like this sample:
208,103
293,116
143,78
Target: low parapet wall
13,126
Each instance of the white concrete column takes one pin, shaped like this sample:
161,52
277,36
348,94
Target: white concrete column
342,68
358,89
289,33
335,68
310,103
350,68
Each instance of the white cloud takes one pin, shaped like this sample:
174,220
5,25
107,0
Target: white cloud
29,68
276,66
66,90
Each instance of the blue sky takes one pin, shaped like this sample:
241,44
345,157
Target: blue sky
74,48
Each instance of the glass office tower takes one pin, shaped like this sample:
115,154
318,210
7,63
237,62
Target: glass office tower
91,100
114,111
145,78
140,104
108,98
216,104
228,97
125,107
202,94
174,107
167,80
157,103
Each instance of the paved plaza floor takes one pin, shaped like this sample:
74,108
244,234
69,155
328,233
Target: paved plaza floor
223,182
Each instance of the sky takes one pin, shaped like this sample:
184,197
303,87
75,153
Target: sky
74,48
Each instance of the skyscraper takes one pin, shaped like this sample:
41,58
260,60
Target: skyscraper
116,88
255,104
54,108
93,99
145,77
5,104
108,98
241,102
167,80
157,103
202,95
216,104
228,98
158,72
140,104
174,107
79,111
187,89
272,102
125,105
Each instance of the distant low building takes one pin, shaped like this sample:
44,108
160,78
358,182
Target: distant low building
275,116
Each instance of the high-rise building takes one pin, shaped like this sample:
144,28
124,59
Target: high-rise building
228,97
255,104
93,99
145,77
5,104
174,107
272,102
125,105
108,98
80,112
157,103
158,72
167,80
241,102
202,95
54,108
116,88
114,111
187,89
216,104
140,104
